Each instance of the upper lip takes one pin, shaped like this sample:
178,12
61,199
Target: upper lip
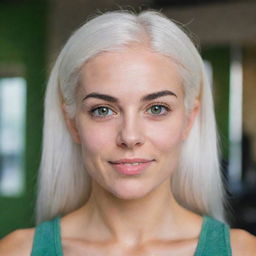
131,160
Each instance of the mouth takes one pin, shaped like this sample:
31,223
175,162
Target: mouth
131,166
131,161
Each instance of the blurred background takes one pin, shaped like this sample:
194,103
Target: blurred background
32,33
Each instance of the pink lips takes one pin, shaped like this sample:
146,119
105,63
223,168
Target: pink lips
131,166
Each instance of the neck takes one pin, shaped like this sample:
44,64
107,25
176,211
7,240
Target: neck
155,216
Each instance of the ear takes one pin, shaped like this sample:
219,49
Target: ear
190,118
71,124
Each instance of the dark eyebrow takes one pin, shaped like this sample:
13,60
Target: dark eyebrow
155,95
101,96
148,97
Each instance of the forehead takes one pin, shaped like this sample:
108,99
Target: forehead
130,70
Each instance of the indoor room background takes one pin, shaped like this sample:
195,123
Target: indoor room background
32,33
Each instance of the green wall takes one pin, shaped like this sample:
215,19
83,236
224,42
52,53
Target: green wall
23,41
219,57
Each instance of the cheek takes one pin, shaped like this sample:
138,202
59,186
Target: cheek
167,136
95,144
95,138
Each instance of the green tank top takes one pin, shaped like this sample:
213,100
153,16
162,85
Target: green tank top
214,239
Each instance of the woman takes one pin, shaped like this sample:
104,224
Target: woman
130,163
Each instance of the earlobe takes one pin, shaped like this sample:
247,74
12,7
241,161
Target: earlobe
194,112
71,125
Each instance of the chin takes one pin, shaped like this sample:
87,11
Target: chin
130,190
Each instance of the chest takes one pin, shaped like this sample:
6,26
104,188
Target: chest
79,248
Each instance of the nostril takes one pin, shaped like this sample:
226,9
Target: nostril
131,145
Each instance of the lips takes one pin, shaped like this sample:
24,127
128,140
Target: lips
134,160
133,166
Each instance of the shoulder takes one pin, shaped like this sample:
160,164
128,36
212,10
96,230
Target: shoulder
242,242
17,243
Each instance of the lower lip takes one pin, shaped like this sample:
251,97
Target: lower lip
131,169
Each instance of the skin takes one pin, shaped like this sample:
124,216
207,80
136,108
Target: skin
135,215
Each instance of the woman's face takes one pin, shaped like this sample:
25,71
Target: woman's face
130,106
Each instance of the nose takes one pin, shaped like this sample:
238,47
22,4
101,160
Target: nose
130,134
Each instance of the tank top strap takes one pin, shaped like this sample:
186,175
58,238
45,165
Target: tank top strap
214,239
47,239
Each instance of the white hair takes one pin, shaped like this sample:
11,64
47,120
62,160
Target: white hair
64,184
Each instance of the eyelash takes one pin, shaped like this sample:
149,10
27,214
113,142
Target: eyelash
161,104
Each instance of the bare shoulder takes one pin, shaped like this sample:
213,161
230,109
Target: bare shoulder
17,243
243,243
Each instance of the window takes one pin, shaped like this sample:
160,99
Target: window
12,135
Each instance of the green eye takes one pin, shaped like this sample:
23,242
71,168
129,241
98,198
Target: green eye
158,109
101,111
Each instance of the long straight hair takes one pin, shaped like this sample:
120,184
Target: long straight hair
64,184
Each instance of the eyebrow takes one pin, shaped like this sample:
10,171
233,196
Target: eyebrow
147,97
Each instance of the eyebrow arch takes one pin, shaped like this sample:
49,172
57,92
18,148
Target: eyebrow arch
155,95
148,97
